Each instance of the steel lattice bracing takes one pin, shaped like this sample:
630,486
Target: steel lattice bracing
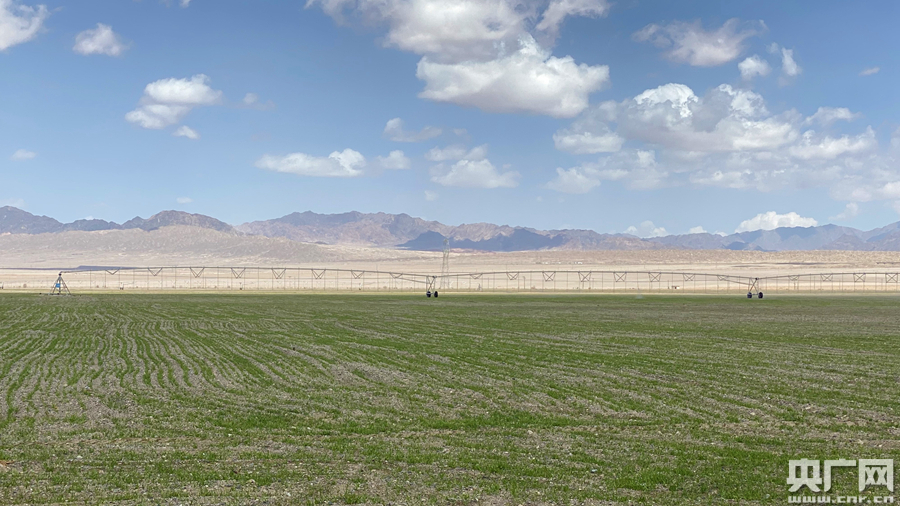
281,278
60,287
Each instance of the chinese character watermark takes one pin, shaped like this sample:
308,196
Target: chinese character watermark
814,476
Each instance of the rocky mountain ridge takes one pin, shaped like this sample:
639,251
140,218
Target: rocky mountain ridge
406,232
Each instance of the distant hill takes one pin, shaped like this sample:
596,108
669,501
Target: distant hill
17,221
825,237
172,218
410,233
404,231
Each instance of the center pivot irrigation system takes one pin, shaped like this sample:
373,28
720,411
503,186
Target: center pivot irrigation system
224,279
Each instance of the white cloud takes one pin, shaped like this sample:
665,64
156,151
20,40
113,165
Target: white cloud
193,92
690,43
474,174
431,196
870,71
395,160
868,191
393,130
485,53
184,200
457,152
157,116
19,203
590,133
728,138
167,101
587,142
19,23
529,80
789,67
815,146
186,131
850,211
458,30
637,168
697,230
575,180
23,154
185,3
828,115
726,119
772,220
251,98
646,229
754,66
559,10
100,40
346,163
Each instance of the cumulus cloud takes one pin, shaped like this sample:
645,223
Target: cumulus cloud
559,10
100,40
395,160
646,229
393,130
870,71
590,133
23,154
457,152
754,66
728,138
726,119
251,98
788,65
474,174
828,115
575,180
18,203
697,230
638,169
812,145
185,3
772,220
19,23
851,210
529,80
186,131
167,101
184,200
692,44
583,142
873,190
346,163
485,53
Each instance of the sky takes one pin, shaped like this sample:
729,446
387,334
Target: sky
645,117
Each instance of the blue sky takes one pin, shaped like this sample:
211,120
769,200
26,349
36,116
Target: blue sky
640,116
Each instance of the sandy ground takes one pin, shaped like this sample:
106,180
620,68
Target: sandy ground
32,261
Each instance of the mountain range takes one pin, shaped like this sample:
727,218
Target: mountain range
406,232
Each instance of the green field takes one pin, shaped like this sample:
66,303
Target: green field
286,399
